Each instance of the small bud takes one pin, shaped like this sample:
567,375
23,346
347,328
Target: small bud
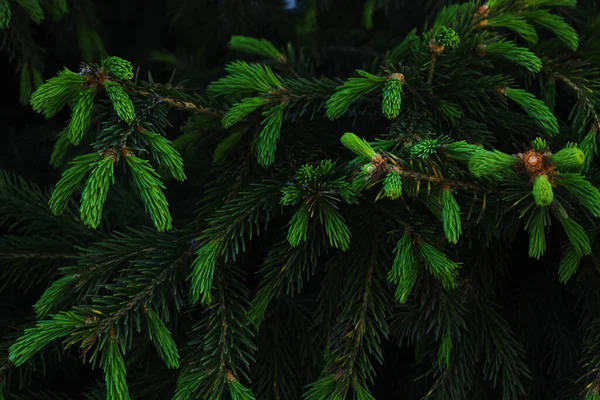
571,157
392,185
118,68
368,169
392,96
542,191
357,145
447,37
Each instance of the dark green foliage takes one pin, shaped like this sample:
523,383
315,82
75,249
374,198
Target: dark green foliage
216,235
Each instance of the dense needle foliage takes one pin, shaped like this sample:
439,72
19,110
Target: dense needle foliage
409,209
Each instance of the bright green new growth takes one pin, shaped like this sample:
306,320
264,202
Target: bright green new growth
537,234
589,146
576,234
539,144
583,190
239,391
52,295
203,270
425,148
33,9
162,339
259,47
451,216
439,265
535,108
56,92
121,101
447,37
350,91
461,150
82,115
5,14
70,181
241,110
335,227
297,232
542,191
570,157
485,162
165,153
309,173
392,185
557,25
151,189
519,55
244,78
516,24
357,145
118,68
36,338
405,269
392,97
95,191
115,373
269,135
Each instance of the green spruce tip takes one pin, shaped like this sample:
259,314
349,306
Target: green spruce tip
70,181
485,162
121,101
451,216
5,14
392,185
115,373
82,115
447,37
53,295
535,108
357,145
542,191
461,150
392,96
118,68
298,229
151,188
56,92
570,157
261,47
95,191
162,339
203,270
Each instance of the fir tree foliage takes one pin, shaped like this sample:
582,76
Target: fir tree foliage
404,245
